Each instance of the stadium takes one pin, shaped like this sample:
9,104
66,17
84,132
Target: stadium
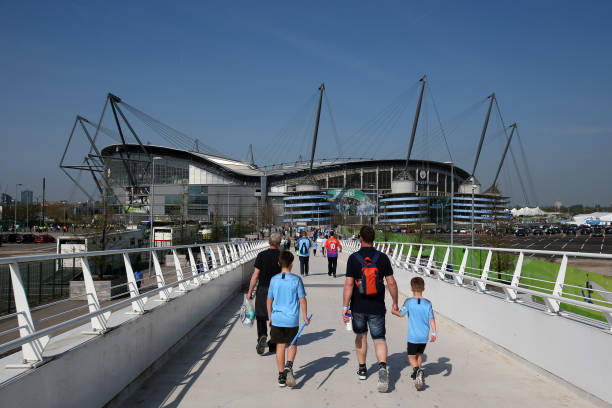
190,182
200,187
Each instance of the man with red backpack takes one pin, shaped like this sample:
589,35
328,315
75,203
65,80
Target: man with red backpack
364,302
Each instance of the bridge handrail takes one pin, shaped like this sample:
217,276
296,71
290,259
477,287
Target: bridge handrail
427,266
33,341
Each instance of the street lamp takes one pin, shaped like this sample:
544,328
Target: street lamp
452,217
15,201
473,187
151,195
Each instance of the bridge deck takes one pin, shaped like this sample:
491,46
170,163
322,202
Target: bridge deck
219,366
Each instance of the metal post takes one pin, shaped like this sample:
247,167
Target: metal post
228,230
15,202
151,197
452,214
472,232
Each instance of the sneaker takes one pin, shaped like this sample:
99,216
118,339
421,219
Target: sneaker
261,345
290,379
362,373
418,381
282,380
414,373
383,379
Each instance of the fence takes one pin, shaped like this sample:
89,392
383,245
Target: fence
553,288
203,263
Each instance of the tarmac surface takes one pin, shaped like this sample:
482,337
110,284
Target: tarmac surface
220,368
555,242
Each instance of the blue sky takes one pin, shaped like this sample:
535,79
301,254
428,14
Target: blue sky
234,73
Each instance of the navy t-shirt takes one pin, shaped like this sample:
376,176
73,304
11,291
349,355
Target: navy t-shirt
372,304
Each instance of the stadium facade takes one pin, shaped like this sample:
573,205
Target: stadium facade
213,189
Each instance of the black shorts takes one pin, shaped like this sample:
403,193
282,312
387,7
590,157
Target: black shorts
416,348
282,335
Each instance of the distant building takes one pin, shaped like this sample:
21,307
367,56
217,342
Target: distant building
27,197
6,199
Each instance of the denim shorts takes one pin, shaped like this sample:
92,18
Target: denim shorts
376,322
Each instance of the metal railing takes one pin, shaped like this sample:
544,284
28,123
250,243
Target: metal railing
215,260
517,282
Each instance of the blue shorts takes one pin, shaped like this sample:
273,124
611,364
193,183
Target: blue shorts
376,322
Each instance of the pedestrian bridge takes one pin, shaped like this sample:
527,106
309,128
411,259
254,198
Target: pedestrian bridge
177,340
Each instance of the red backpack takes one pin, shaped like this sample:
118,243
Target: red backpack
371,282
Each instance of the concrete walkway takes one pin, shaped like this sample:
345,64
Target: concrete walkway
219,367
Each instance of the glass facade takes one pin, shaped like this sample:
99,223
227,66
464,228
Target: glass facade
197,202
167,171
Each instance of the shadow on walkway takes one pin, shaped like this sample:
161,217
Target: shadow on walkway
212,335
309,370
398,362
312,337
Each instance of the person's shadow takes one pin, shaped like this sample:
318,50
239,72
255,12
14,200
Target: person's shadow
398,362
312,337
309,370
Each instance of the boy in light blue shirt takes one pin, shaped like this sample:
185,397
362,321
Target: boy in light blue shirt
420,321
286,296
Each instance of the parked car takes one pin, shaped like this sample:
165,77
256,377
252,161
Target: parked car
11,237
608,230
521,232
537,231
44,238
24,238
598,232
585,231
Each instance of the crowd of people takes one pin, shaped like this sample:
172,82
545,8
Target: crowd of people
280,297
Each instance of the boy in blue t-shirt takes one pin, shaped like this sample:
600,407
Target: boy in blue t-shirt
420,320
286,296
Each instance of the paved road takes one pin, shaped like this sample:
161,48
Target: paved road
557,242
219,366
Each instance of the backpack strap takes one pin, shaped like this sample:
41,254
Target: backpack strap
376,256
359,258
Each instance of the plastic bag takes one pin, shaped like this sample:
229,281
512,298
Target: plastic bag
247,312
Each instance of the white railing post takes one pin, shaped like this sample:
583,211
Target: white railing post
164,295
215,270
442,270
32,352
179,271
137,305
206,275
398,260
395,254
482,286
417,261
194,267
459,276
222,261
98,323
511,294
407,261
430,261
553,306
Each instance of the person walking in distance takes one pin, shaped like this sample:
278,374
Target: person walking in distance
364,301
266,266
330,249
303,249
